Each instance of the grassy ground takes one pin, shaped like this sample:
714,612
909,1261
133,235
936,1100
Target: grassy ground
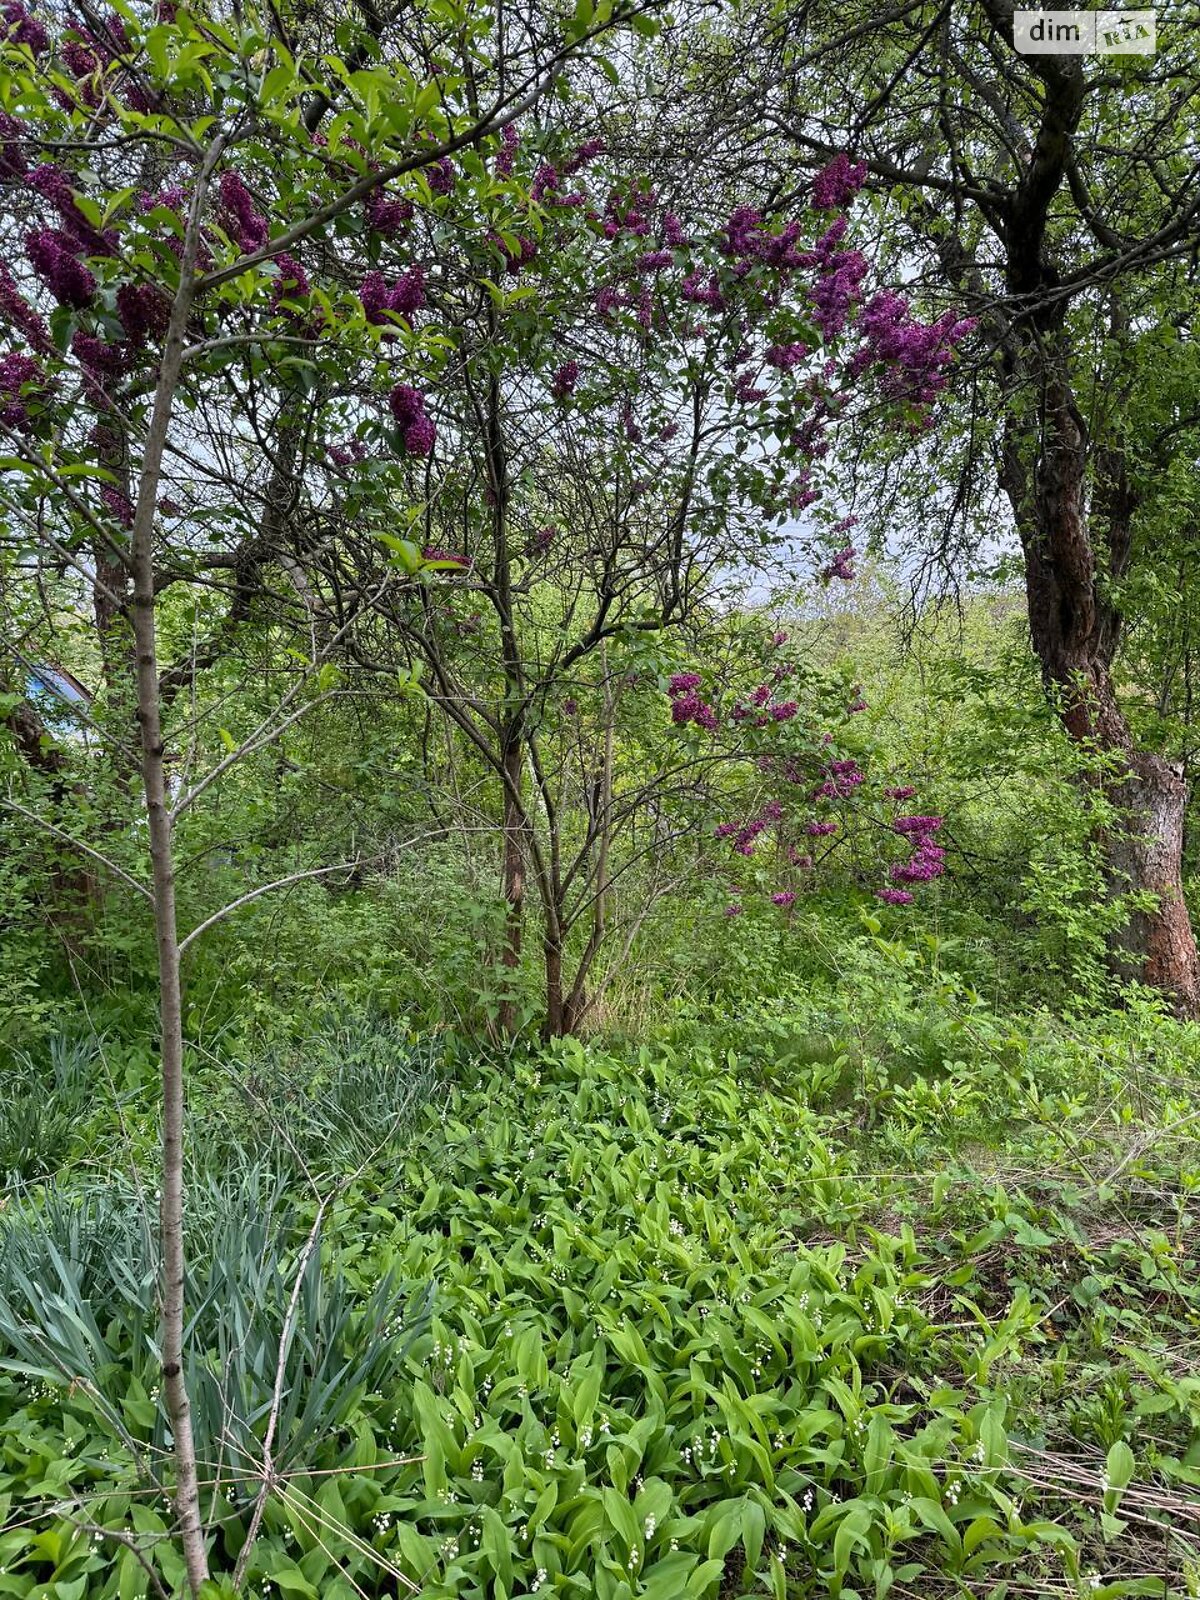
850,1308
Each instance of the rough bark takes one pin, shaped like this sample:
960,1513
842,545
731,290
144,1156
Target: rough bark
1074,547
1156,947
1075,632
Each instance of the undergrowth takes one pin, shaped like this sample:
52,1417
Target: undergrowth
859,1308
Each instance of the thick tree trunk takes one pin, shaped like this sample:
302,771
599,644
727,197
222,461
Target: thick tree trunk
1145,853
1075,631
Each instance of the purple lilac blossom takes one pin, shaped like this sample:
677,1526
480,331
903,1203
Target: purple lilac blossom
12,158
245,225
385,216
894,897
420,436
837,183
18,27
18,313
17,372
507,154
69,281
145,313
842,565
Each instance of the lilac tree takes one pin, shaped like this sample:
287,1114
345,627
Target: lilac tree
629,403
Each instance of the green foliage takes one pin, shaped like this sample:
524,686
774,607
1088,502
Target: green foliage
684,1337
45,1096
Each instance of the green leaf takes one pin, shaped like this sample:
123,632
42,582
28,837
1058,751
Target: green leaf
292,1581
1119,1466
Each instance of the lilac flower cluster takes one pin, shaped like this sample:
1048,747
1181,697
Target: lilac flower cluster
842,565
917,827
79,236
588,151
838,289
837,183
19,373
545,182
809,438
16,311
904,791
673,236
404,297
564,380
655,261
621,217
761,710
291,283
408,408
88,51
244,224
749,241
746,390
785,356
119,505
442,176
68,280
745,835
928,859
145,313
686,703
841,778
506,157
703,294
385,216
102,363
691,708
12,157
18,27
514,259
917,355
802,493
84,66
172,198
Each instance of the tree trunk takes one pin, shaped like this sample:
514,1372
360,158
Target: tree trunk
1075,630
555,1024
161,830
576,1004
1156,947
512,882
